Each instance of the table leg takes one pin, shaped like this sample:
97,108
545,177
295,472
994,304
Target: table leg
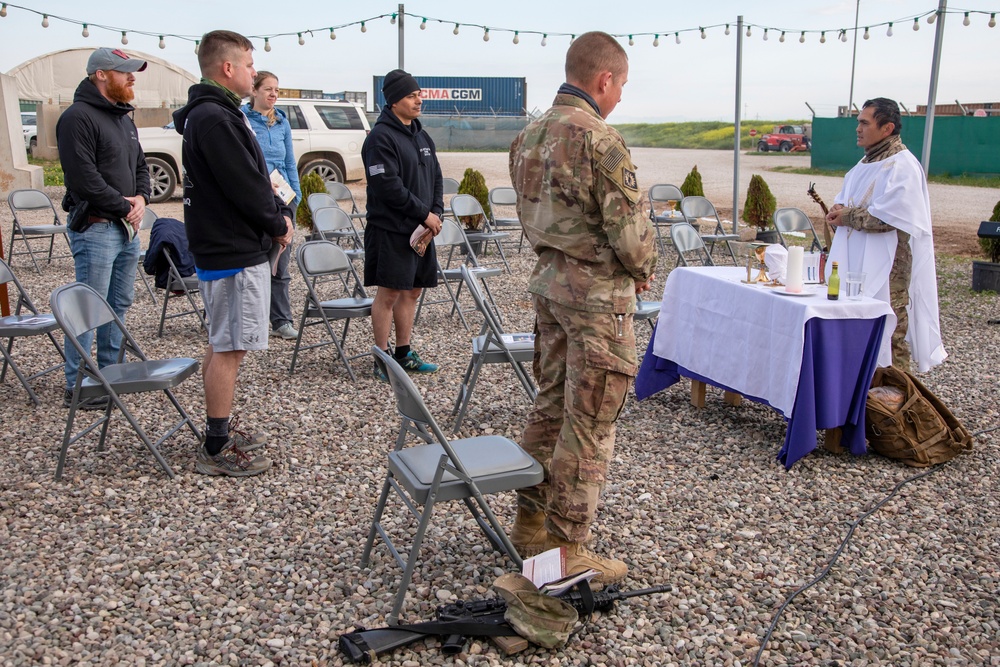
697,393
732,398
832,441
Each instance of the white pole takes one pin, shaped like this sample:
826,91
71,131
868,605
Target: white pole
925,157
854,57
399,18
736,147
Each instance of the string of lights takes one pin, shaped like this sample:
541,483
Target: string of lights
517,34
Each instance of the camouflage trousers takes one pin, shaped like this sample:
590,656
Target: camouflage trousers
583,365
899,299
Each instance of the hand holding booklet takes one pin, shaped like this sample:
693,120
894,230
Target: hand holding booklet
420,239
547,570
281,187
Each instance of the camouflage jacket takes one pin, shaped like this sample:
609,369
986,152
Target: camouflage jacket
578,201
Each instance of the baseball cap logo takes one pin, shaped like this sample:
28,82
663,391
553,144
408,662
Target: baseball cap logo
120,54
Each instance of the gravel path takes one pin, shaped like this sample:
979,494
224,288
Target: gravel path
117,564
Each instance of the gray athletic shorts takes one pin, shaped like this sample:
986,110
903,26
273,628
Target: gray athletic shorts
236,309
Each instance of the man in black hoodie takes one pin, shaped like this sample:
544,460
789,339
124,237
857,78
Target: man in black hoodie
405,191
107,189
232,218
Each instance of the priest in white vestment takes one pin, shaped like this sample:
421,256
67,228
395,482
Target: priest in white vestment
882,219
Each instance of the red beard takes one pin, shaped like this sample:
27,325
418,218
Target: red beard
120,92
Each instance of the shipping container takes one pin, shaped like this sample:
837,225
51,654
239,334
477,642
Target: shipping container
467,95
355,96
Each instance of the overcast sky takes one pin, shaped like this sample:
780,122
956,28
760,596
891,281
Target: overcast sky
693,80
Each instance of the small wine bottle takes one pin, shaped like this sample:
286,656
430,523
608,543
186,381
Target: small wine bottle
833,285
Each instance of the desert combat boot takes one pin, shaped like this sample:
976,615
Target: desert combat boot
528,535
580,558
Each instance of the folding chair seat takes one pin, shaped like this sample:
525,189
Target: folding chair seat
492,346
148,218
467,206
345,200
503,211
180,286
21,201
794,220
685,240
334,224
661,197
694,208
79,309
322,263
451,238
646,311
18,325
438,470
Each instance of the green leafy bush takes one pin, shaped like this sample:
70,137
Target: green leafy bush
474,183
991,247
310,183
759,208
692,186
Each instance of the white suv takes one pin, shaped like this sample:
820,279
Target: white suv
327,138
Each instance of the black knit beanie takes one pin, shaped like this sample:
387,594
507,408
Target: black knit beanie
397,85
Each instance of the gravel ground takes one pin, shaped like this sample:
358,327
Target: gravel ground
116,564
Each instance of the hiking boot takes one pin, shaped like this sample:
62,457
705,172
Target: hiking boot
379,374
231,462
412,363
246,442
580,558
528,534
95,403
286,331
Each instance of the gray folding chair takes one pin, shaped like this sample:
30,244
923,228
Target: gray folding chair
318,200
453,238
450,188
180,286
79,309
492,346
686,239
345,199
334,224
661,196
694,208
18,325
467,206
646,311
38,204
439,470
323,262
794,220
148,218
504,201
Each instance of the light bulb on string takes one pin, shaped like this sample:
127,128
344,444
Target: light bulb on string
392,19
765,34
455,31
572,38
966,20
866,35
656,40
916,25
333,35
267,44
197,45
486,35
3,11
748,31
703,35
124,38
888,33
302,40
843,35
45,20
802,37
822,38
631,41
782,38
163,43
677,37
86,31
993,21
364,28
545,40
517,39
727,29
931,18
423,24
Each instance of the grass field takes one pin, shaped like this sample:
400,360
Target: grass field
707,134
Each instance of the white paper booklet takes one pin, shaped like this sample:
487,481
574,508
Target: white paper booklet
282,187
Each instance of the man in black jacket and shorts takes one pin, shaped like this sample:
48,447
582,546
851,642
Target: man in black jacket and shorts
405,191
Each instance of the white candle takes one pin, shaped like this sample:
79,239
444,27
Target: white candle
793,273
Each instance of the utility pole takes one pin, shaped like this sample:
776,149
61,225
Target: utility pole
399,18
925,158
854,57
739,98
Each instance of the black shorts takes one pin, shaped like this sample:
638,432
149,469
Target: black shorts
391,262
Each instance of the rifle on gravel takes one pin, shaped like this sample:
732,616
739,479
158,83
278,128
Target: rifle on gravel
458,621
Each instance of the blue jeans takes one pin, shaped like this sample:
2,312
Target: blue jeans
106,260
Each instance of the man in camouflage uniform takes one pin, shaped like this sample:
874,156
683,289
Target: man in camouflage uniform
886,193
578,201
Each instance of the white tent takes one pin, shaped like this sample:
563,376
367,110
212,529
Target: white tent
55,76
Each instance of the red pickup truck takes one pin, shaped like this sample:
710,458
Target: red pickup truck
786,138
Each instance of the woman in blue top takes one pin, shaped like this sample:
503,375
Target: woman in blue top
274,134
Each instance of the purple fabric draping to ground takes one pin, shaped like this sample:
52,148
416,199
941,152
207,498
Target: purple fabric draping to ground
839,358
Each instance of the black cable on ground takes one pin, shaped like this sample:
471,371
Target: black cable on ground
843,545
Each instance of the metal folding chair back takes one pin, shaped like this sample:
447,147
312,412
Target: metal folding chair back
79,309
180,286
694,208
33,201
439,470
148,218
334,223
318,200
492,346
25,322
345,199
503,211
468,206
660,214
686,239
795,220
322,263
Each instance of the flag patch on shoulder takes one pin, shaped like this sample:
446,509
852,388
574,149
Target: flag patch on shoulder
376,169
612,159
